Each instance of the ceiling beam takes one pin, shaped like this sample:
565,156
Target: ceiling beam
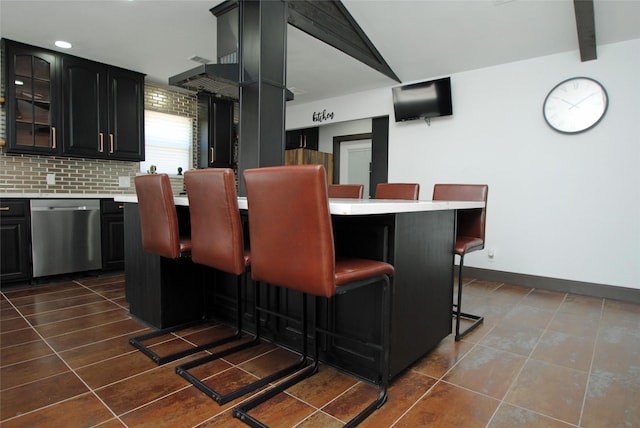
585,23
331,22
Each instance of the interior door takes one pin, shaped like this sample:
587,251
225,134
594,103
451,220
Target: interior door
355,163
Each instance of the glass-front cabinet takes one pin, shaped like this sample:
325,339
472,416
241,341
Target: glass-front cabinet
33,100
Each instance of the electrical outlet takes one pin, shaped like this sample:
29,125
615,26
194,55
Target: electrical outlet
124,181
51,179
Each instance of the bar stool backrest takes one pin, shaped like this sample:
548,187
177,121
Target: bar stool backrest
290,228
355,191
470,223
216,229
407,191
158,217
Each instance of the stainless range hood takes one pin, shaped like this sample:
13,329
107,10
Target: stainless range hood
221,78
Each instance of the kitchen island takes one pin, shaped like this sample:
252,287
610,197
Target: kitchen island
417,237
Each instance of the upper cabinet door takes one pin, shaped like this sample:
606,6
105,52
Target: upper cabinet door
126,114
85,114
60,104
103,110
32,85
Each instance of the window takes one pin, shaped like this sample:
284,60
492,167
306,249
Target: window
168,139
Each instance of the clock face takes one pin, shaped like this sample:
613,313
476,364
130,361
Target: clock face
575,105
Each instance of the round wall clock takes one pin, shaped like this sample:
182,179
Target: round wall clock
575,105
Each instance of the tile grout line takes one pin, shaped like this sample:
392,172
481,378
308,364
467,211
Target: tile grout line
593,356
529,358
91,390
440,379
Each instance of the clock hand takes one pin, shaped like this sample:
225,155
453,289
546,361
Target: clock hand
570,103
584,99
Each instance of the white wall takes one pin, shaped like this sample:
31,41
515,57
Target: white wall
352,127
560,206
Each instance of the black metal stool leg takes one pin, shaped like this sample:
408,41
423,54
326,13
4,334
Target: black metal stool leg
163,359
477,319
241,412
183,369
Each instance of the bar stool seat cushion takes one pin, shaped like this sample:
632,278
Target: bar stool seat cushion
467,244
351,270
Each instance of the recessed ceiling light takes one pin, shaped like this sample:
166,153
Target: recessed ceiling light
62,44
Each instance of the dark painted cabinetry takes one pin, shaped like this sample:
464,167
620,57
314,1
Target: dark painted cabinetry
14,240
60,104
216,132
33,97
303,138
103,110
112,224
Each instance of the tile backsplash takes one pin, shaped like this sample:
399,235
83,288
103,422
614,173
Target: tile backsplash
20,173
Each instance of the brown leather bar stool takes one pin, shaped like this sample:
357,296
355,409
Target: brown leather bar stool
161,236
300,256
354,191
218,242
470,233
408,191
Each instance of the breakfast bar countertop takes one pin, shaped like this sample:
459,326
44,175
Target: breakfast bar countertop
354,206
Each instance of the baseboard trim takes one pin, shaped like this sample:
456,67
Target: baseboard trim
625,294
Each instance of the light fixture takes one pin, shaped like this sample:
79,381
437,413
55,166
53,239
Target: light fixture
62,44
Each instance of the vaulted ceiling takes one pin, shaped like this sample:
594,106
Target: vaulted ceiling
418,39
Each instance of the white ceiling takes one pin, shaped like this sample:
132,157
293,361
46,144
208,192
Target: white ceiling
419,39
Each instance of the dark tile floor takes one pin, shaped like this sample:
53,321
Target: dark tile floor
541,359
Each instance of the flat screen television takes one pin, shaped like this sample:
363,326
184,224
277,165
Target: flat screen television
422,100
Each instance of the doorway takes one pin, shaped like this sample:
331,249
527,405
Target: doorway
355,163
352,160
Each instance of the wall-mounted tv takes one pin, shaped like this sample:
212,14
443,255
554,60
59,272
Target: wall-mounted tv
422,100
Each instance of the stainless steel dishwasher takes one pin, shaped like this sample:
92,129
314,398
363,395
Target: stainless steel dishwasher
65,236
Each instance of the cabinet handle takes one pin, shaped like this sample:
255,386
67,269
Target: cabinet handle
120,207
53,131
212,159
5,208
110,143
301,143
305,141
101,143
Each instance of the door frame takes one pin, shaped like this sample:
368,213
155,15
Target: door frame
339,139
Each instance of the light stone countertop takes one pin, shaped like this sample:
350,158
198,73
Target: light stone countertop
354,206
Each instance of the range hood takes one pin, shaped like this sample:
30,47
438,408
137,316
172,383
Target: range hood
221,79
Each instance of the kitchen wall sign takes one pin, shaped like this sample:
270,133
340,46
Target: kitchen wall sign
321,116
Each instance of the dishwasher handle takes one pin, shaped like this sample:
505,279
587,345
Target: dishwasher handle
78,208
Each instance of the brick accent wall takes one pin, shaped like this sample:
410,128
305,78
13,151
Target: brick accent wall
27,173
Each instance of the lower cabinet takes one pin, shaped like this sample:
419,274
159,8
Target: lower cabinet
112,234
14,240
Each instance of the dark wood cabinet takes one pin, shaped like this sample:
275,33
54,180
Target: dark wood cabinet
14,240
306,138
112,225
33,99
103,109
216,132
60,104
